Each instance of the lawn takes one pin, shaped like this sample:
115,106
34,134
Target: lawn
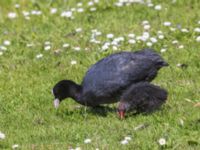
42,42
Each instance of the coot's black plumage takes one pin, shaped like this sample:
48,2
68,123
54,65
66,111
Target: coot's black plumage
142,97
106,80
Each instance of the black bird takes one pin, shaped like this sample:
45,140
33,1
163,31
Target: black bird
106,80
142,97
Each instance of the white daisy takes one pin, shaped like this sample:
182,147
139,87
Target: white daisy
79,4
80,10
167,23
124,142
149,44
145,22
3,48
198,39
173,1
115,48
90,3
73,9
77,48
174,42
128,138
147,27
25,13
78,30
12,15
2,136
110,36
184,30
162,141
98,33
15,146
181,46
93,9
114,42
65,45
77,148
131,41
36,12
87,141
105,47
181,122
48,47
158,7
131,35
120,39
53,10
153,40
161,36
159,32
39,56
96,1
197,30
119,4
6,42
73,62
150,5
163,50
146,35
67,14
29,45
172,29
178,65
47,43
17,6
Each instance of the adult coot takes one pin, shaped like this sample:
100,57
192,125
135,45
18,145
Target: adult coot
141,97
106,80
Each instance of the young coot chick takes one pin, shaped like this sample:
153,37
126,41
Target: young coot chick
142,97
106,80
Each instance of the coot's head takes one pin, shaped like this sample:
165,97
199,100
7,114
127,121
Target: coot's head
64,89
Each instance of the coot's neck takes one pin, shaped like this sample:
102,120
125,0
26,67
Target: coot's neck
75,92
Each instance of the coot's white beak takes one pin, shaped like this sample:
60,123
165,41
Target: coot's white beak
56,103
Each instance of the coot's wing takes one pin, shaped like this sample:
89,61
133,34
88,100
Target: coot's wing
116,72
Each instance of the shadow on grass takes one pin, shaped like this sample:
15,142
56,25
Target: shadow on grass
101,110
83,111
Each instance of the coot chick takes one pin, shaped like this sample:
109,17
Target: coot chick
106,80
142,97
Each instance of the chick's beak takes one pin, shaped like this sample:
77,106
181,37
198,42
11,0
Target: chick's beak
121,114
56,103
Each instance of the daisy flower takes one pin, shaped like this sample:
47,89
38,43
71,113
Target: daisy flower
2,136
158,7
87,141
162,142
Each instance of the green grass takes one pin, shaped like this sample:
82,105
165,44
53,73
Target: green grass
27,116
